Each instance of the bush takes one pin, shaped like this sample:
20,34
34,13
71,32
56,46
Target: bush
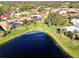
58,30
76,37
6,32
70,34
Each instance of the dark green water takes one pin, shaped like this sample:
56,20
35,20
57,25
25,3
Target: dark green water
36,44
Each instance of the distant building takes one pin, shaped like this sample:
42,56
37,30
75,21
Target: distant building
75,22
37,17
72,10
64,13
34,11
4,25
5,16
17,9
29,20
45,14
48,9
55,10
71,29
17,15
74,16
65,6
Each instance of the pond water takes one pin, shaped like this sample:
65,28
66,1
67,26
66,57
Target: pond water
36,44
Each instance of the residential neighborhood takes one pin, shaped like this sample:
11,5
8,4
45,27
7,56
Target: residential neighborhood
59,20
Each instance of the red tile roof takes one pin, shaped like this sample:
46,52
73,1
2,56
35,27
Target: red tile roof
34,10
45,14
5,15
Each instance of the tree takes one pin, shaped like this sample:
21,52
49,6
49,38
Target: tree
40,9
56,19
58,30
1,11
27,6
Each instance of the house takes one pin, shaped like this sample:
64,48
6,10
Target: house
74,27
11,20
64,6
45,14
5,16
23,14
64,13
48,9
17,9
4,25
74,16
70,28
29,20
55,10
17,15
72,10
36,17
75,22
34,11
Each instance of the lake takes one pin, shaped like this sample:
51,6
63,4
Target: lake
35,44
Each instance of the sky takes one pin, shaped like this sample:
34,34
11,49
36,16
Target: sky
39,0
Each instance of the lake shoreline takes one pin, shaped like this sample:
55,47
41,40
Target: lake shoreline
50,39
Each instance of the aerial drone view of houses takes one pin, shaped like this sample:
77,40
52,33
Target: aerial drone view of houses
59,20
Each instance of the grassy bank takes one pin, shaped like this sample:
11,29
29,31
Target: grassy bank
68,45
14,33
